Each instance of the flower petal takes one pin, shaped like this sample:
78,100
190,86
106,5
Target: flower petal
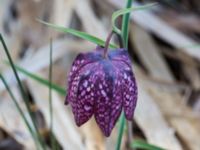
108,104
81,60
82,97
120,55
85,100
129,94
128,82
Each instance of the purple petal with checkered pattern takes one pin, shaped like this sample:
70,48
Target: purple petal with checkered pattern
103,87
128,82
80,61
108,104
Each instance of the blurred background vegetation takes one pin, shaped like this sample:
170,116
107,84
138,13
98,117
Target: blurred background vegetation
165,51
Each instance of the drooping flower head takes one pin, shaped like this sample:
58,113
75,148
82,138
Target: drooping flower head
102,86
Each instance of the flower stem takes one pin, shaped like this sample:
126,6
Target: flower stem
124,35
107,44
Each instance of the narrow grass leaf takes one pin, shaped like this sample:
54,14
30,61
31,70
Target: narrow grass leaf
79,34
190,46
139,144
22,91
53,144
20,111
121,131
41,80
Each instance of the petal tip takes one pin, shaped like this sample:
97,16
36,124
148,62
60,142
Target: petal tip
66,100
129,117
107,134
78,123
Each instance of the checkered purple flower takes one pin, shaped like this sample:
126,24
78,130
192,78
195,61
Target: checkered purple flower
103,87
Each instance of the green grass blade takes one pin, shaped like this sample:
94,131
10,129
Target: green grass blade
20,111
53,144
79,34
139,144
124,30
120,12
50,95
22,91
121,131
50,87
190,46
41,80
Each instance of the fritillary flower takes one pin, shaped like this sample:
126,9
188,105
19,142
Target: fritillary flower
102,84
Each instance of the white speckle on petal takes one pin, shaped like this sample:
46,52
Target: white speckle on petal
101,115
103,93
125,76
87,108
73,68
127,96
88,89
127,103
100,86
118,82
87,73
131,89
85,84
117,106
82,93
